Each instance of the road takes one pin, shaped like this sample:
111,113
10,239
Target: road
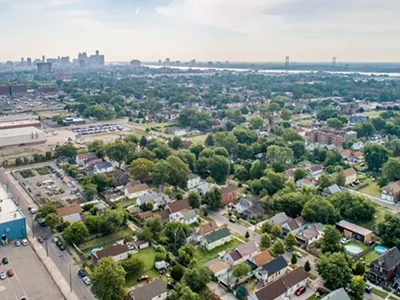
378,201
62,259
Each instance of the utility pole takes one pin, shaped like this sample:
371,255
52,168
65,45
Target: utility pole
47,249
70,279
33,226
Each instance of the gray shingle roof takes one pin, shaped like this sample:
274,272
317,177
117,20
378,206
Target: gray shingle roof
279,219
389,260
339,294
189,214
275,265
217,235
148,291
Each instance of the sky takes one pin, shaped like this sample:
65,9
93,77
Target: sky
205,30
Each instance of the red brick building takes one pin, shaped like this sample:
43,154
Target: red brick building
229,194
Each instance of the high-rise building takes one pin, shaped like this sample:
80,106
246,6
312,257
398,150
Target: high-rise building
135,63
29,62
64,61
44,68
18,89
43,58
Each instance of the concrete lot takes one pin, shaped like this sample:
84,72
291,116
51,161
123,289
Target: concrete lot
30,279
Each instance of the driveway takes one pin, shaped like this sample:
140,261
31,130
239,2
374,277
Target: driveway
220,292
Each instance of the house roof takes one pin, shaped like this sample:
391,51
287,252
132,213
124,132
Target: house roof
137,188
153,197
339,294
247,248
389,260
164,214
262,258
275,265
178,205
217,235
228,189
86,155
354,228
219,266
190,214
316,168
349,172
272,291
245,203
69,210
207,227
235,255
308,234
140,242
133,209
148,291
279,219
103,165
112,251
145,214
333,189
392,187
193,176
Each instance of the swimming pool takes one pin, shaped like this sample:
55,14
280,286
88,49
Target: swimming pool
380,249
353,249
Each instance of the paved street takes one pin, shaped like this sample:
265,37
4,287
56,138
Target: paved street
61,258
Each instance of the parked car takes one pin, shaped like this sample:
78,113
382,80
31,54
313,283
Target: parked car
10,273
33,210
288,249
41,222
55,240
87,280
301,290
232,220
40,239
344,240
142,278
81,274
4,260
3,275
298,254
17,243
368,289
25,242
62,247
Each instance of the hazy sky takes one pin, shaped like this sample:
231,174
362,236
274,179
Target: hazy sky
234,30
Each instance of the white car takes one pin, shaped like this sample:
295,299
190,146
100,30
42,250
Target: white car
17,243
87,280
55,240
33,211
344,240
3,275
25,242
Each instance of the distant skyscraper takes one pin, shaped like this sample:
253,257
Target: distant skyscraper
97,52
44,68
29,62
135,63
43,58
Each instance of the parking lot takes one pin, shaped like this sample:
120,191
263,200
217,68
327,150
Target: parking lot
51,187
30,279
97,129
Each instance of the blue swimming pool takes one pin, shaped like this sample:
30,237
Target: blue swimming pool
380,249
353,249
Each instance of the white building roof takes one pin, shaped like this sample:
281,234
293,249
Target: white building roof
18,123
23,131
9,210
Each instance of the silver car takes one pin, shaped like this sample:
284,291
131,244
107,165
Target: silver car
87,280
17,243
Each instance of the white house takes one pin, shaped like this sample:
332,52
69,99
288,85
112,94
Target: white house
187,217
311,234
242,205
159,200
272,270
193,181
216,238
83,158
117,252
134,191
155,290
391,192
71,213
103,167
242,253
315,171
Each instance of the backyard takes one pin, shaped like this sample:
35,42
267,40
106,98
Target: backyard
203,256
371,189
125,202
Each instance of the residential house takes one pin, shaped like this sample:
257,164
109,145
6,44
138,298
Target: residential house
350,175
133,209
155,290
256,210
290,173
282,288
272,270
261,258
391,192
357,146
71,213
382,270
294,225
187,217
178,206
219,268
339,294
315,171
331,190
241,253
143,216
121,177
203,229
134,191
216,238
229,195
311,234
352,156
103,167
175,131
242,205
354,231
311,182
356,119
279,219
194,180
350,135
164,215
83,158
159,200
88,169
141,244
117,252
204,187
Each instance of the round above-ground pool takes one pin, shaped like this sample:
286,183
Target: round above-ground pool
380,249
353,249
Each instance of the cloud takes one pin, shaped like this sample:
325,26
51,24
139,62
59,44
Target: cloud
138,10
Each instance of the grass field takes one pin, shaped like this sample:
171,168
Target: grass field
370,256
372,189
125,202
104,241
379,293
203,256
43,171
373,114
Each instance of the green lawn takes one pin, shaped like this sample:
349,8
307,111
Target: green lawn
379,293
148,257
203,256
238,235
43,171
125,202
370,256
372,189
373,114
103,241
313,297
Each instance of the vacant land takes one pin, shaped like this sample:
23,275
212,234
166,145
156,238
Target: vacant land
372,189
203,256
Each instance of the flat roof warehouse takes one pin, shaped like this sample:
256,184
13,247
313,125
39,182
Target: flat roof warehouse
9,211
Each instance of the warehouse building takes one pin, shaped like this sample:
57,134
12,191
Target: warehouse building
20,124
21,136
12,220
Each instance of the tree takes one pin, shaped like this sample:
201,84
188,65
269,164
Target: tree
340,179
247,235
265,241
278,248
332,158
330,242
359,268
141,169
112,220
102,181
209,140
266,227
147,206
178,172
389,230
90,190
353,207
183,292
219,168
132,266
276,230
323,181
357,286
76,233
143,141
298,148
52,220
66,150
194,199
257,169
286,114
256,122
334,269
293,260
280,158
220,151
241,270
155,225
187,157
241,293
177,272
175,143
241,173
320,210
176,234
213,198
108,280
307,266
375,156
45,210
196,149
335,123
300,173
290,240
161,173
245,151
366,129
186,253
391,169
118,151
197,278
291,203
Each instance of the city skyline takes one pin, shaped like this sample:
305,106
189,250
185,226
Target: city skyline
207,30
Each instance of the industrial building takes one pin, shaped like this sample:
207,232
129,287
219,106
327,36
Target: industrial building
74,121
20,124
11,90
21,136
12,220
